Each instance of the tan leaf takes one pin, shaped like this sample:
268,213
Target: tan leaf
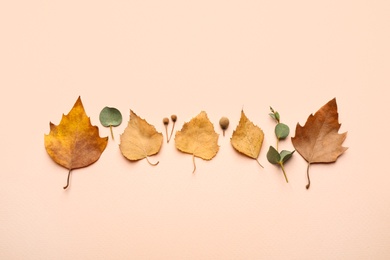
198,138
247,138
140,139
318,141
75,143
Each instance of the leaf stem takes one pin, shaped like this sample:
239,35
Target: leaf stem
193,161
277,144
67,181
153,164
284,172
308,176
259,163
112,134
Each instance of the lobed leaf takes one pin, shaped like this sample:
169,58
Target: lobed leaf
318,141
75,143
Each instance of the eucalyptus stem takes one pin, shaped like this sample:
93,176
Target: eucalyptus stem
308,176
284,172
112,134
67,181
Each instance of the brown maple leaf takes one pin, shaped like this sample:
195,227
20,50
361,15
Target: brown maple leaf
74,143
140,139
198,138
318,141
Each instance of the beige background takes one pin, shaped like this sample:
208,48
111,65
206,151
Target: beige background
165,57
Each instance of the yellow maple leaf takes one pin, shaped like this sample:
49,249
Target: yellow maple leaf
247,138
140,139
198,138
74,143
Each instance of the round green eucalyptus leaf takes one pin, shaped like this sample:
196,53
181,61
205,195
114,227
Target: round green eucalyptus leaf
273,156
281,131
285,155
110,116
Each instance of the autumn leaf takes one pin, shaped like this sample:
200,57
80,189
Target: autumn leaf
140,139
198,137
109,117
247,138
74,143
318,141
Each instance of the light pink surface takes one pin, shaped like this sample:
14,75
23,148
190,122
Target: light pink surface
165,57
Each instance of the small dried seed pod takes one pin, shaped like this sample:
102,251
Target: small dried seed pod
166,122
224,123
173,118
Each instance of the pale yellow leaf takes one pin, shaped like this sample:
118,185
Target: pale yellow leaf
247,138
140,139
198,137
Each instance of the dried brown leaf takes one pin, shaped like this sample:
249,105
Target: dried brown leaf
318,141
75,143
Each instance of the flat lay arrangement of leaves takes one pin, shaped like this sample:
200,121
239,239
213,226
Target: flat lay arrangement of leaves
76,143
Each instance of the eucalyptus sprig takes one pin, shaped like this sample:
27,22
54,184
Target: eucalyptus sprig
281,132
109,117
